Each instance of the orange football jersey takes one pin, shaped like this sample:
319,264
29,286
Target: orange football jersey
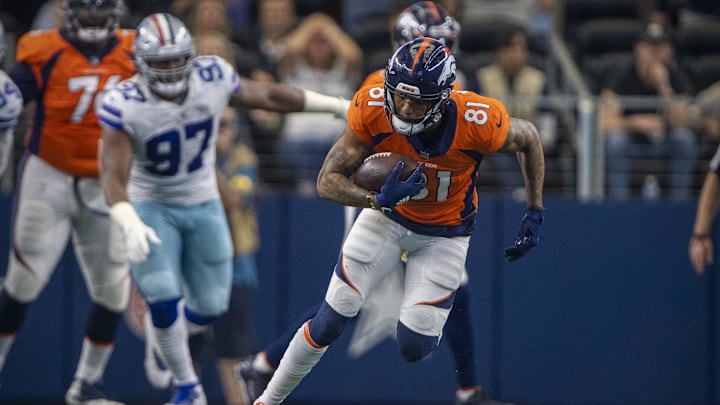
473,126
65,130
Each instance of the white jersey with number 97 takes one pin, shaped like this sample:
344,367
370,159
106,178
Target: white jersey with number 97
173,144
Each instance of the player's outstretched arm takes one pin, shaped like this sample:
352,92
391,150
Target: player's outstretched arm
700,249
284,98
523,139
340,163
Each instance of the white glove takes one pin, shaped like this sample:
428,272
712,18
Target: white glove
136,235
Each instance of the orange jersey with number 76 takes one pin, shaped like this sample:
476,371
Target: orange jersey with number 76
66,132
473,126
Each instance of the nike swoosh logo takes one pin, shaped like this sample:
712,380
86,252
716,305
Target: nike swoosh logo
499,124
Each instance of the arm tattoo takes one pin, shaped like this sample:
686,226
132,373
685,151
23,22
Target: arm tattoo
335,184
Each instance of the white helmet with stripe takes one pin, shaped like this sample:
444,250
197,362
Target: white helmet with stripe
164,51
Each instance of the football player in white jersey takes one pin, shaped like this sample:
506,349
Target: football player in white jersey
158,171
11,106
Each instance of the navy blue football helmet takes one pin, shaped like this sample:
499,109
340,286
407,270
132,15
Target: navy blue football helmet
427,19
93,21
422,70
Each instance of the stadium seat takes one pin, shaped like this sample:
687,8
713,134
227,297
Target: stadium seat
577,12
698,40
705,70
602,44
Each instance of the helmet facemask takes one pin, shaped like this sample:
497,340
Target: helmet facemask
414,125
164,52
423,71
93,21
167,77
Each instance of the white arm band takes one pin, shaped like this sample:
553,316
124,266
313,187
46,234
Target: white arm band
316,102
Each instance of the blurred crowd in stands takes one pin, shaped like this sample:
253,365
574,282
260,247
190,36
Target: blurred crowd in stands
669,50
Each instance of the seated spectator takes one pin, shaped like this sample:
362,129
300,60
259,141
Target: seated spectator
658,129
264,126
210,15
520,86
319,56
706,109
266,39
234,333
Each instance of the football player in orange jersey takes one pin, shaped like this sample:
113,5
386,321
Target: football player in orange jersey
422,18
59,194
431,214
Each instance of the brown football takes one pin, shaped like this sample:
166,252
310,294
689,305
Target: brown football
375,169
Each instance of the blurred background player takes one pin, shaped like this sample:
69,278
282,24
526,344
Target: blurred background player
700,249
59,194
424,18
234,333
419,116
159,151
10,110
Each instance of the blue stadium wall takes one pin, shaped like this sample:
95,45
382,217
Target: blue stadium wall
605,311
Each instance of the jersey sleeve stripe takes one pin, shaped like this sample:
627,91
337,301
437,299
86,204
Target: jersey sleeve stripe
114,124
114,111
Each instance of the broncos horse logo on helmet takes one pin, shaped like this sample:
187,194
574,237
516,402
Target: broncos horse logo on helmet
427,19
164,52
422,70
93,21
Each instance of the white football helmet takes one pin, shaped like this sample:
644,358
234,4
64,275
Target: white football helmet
164,52
93,21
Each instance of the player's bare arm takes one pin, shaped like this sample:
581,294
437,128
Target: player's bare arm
342,160
523,139
115,162
700,249
269,96
283,98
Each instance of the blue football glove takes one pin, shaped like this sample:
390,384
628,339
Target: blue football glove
395,191
528,234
